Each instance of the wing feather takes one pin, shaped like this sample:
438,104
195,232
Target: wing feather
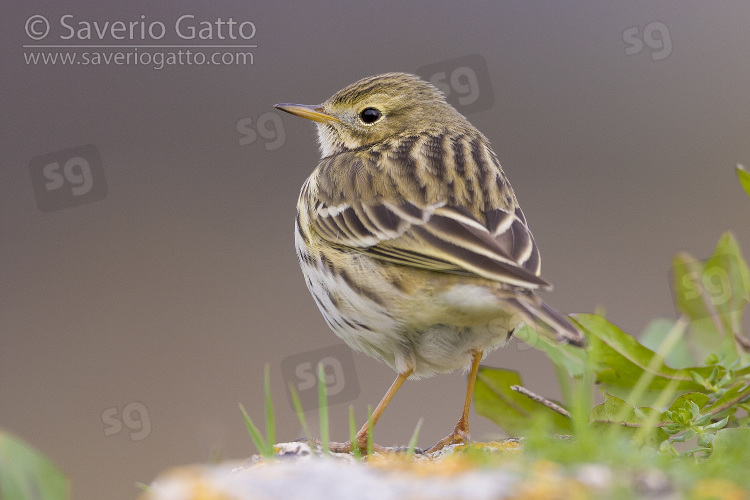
408,218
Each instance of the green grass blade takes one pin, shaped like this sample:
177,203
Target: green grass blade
582,400
145,487
260,444
270,421
300,412
413,440
370,442
323,402
353,434
744,177
563,380
662,401
649,373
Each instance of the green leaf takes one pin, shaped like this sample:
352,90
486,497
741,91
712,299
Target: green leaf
655,333
727,278
727,397
713,295
731,446
744,177
698,379
718,425
687,273
617,412
694,409
702,420
568,357
692,299
705,439
620,361
511,411
691,451
695,397
26,473
712,359
611,409
686,436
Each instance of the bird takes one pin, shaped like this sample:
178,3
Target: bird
411,239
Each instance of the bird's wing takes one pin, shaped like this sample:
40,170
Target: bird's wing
359,204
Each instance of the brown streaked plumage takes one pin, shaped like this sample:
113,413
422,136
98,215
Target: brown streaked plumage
410,237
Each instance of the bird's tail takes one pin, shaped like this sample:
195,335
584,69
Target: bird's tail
546,320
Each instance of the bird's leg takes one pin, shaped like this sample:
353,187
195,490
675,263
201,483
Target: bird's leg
362,434
460,433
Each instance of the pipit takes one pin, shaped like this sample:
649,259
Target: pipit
411,239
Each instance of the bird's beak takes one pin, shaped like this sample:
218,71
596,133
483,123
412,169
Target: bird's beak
309,111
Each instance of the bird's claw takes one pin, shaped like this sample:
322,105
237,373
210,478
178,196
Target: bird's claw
460,435
335,447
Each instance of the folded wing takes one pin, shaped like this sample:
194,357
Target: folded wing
398,222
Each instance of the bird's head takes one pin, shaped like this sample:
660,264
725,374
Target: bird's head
376,108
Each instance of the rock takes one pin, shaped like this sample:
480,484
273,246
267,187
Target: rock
299,471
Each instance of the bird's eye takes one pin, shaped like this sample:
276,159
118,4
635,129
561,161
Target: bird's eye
370,115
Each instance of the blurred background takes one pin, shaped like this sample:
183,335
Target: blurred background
147,200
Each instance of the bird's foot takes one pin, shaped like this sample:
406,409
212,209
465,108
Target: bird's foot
460,435
346,447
